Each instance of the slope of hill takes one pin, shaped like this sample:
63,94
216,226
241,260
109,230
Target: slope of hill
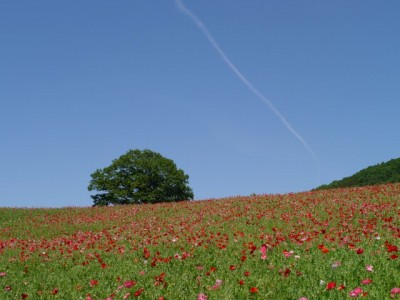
259,247
387,172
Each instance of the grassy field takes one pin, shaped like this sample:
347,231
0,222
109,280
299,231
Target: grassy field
333,244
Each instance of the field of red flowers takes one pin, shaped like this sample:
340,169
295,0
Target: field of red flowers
333,244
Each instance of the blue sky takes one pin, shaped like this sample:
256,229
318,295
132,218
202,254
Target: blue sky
82,82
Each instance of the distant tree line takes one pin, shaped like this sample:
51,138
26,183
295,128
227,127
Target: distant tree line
387,172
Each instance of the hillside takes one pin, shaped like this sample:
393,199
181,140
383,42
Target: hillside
259,247
387,172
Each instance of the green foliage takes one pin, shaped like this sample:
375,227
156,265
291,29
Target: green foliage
140,177
388,172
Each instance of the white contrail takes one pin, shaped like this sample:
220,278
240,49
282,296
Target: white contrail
235,70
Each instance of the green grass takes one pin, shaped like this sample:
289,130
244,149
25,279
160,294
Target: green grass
77,253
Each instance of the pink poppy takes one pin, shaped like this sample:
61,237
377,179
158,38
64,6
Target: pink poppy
201,297
129,283
263,251
394,291
369,268
356,292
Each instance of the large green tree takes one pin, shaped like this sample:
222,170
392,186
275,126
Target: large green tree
140,176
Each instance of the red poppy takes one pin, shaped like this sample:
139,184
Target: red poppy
138,292
54,291
285,272
323,248
341,287
390,247
146,253
331,285
253,290
366,281
93,282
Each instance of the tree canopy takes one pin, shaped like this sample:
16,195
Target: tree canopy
387,172
140,176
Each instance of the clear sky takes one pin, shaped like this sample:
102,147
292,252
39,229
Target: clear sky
82,82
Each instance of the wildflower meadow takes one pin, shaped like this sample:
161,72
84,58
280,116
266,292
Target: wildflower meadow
331,244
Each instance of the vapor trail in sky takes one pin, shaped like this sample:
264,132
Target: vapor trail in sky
242,78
